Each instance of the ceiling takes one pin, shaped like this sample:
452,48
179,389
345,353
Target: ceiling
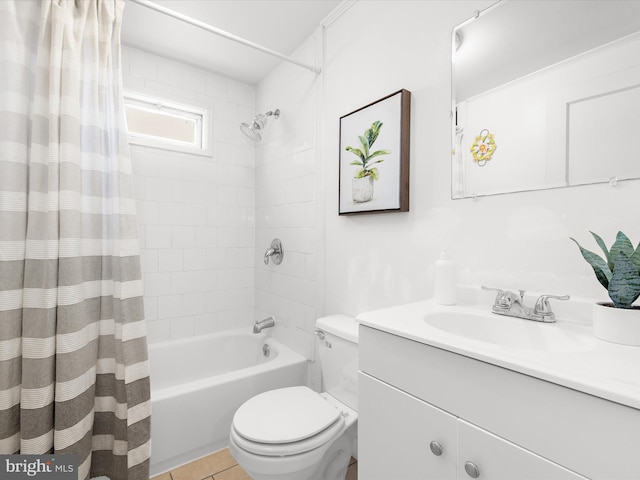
280,25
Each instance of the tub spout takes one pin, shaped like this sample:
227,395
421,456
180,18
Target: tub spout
262,324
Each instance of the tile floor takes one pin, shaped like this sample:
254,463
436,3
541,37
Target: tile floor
222,466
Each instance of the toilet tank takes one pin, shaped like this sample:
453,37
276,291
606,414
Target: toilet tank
338,352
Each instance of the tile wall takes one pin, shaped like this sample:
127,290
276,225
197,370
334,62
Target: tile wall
196,214
286,200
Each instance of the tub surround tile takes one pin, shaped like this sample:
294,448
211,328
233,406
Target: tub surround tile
183,200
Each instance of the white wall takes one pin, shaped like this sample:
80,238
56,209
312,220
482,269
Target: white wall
512,241
337,263
196,214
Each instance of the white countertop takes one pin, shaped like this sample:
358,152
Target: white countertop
600,368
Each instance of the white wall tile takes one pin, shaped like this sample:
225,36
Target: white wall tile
194,303
194,80
207,237
172,213
156,188
158,331
149,212
142,65
182,327
149,260
205,324
158,236
183,282
195,214
170,260
156,284
169,73
183,205
205,281
194,258
183,236
217,86
170,166
150,308
169,306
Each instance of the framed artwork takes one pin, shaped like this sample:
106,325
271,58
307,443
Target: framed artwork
374,157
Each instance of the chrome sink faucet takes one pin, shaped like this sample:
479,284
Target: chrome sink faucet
512,305
262,324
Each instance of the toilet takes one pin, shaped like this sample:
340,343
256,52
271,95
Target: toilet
296,433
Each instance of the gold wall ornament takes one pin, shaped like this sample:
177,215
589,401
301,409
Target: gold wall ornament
483,147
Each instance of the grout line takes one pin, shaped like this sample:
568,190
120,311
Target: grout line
229,468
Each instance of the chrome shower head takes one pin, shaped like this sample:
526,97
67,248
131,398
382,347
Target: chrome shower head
252,131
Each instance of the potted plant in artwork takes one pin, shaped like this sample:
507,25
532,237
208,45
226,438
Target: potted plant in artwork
362,183
618,272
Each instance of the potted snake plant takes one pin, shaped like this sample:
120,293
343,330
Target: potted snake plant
362,183
618,272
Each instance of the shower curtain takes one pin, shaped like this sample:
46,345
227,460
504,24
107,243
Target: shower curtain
73,355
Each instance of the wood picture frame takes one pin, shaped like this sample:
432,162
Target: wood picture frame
374,157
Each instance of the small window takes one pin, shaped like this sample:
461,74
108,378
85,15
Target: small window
156,122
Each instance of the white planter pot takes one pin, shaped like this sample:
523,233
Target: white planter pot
617,325
362,189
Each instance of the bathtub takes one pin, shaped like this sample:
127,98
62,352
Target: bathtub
198,383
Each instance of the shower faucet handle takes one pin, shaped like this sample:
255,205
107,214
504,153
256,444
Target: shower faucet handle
275,252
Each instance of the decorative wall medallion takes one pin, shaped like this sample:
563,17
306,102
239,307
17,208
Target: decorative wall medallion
483,147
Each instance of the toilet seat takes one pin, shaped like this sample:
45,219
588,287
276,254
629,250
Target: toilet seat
286,421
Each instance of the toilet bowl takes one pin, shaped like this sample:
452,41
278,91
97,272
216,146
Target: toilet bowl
296,433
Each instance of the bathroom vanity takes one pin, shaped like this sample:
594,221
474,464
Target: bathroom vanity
445,394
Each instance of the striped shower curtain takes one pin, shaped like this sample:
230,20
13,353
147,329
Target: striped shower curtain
73,356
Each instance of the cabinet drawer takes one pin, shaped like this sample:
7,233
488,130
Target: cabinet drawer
589,435
395,431
498,459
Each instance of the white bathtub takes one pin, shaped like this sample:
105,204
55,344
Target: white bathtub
198,383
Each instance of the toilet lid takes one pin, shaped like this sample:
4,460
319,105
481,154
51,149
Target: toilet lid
291,448
284,415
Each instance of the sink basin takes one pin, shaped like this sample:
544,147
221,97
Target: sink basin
516,333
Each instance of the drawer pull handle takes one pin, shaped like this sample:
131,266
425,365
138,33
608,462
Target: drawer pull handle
436,448
472,469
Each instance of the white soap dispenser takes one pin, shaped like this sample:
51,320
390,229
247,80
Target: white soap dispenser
444,291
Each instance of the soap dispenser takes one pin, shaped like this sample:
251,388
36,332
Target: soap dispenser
444,291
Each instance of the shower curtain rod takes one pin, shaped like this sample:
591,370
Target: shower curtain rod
222,33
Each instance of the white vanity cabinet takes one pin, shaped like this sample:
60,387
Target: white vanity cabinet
510,426
402,437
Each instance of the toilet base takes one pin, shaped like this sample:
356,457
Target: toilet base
328,462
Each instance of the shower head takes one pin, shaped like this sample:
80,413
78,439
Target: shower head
252,131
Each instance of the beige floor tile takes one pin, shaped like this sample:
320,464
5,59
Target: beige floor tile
205,467
352,472
234,473
163,476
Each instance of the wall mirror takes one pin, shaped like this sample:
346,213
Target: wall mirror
545,95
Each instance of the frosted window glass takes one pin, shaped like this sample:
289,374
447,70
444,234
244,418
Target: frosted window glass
165,123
